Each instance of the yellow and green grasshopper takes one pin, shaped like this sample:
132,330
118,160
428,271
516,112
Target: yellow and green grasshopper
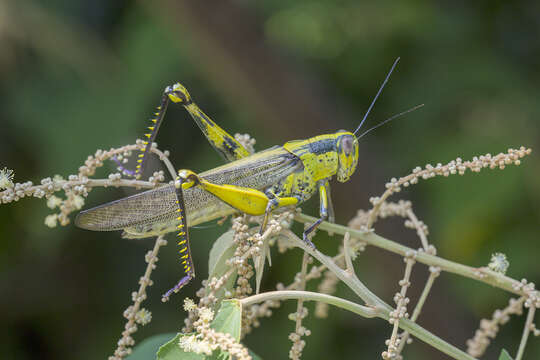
254,184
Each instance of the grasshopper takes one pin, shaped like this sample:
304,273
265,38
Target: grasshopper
255,184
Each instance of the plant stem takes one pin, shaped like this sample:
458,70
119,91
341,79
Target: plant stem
526,331
433,340
383,309
126,341
352,281
302,286
347,252
421,234
365,311
480,274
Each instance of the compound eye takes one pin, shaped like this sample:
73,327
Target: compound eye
347,145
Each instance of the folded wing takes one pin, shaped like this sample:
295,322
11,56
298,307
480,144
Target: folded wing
146,207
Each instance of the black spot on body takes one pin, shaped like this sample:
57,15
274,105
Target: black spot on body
322,146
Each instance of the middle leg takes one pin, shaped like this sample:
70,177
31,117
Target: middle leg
325,205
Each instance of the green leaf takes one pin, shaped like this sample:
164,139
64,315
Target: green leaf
222,250
504,355
148,347
260,261
222,246
229,318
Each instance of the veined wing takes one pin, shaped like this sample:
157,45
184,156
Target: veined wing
153,212
122,213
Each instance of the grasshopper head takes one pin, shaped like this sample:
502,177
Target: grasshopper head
178,94
347,151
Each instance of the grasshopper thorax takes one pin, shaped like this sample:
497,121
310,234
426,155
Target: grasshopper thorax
347,154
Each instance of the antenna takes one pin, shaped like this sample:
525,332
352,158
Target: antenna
390,119
376,96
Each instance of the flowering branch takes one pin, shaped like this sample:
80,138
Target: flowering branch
77,187
489,328
235,281
301,312
134,314
434,272
481,274
457,166
383,309
401,309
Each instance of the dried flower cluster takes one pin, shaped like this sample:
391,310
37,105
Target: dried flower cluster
259,251
249,245
77,187
458,166
206,340
401,301
134,313
301,312
489,328
296,336
402,209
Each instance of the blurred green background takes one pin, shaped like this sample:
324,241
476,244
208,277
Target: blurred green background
81,75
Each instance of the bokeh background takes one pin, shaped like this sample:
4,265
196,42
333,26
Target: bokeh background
76,76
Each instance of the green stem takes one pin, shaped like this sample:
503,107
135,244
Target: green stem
383,309
479,274
526,330
352,281
365,311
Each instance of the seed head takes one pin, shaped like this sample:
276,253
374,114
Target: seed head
499,263
143,316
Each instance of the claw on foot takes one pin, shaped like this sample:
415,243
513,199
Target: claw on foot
307,241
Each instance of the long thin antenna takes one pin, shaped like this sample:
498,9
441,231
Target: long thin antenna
376,96
390,119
